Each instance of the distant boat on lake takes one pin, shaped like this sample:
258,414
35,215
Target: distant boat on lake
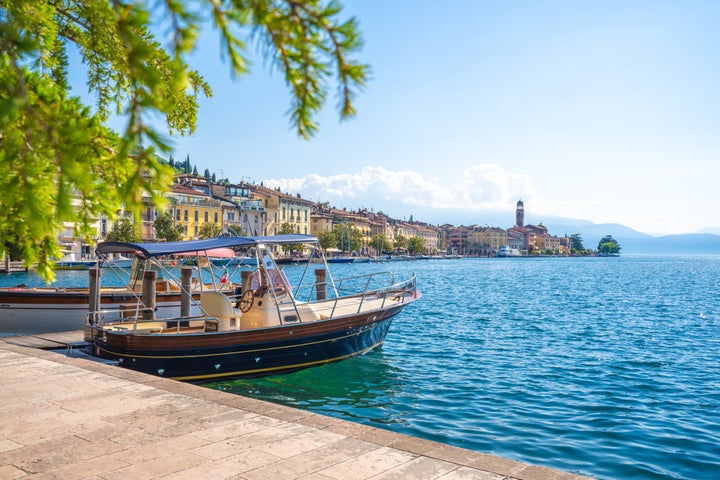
506,251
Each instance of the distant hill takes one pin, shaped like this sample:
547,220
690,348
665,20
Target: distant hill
690,243
632,241
592,232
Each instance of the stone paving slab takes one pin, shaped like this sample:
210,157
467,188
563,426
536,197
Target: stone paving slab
72,418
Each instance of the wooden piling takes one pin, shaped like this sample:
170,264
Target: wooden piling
94,273
148,294
185,294
320,284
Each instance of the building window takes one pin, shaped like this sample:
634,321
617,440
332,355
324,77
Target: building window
207,215
197,217
186,215
177,215
216,217
196,230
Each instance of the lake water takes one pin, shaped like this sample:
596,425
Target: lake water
606,367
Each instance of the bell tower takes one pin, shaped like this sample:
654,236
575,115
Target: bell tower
520,214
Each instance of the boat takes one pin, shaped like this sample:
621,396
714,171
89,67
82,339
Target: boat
506,251
70,262
340,259
269,327
34,310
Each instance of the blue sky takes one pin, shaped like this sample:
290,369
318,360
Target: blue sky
604,111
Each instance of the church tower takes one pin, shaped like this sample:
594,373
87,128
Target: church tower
520,214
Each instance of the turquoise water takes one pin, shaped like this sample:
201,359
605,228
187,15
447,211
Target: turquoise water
606,367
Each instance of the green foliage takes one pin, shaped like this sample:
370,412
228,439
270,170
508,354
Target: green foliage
285,229
577,242
124,230
327,239
209,230
401,242
381,243
415,245
236,230
349,237
166,229
608,245
61,163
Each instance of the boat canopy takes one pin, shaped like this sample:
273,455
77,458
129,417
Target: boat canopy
159,249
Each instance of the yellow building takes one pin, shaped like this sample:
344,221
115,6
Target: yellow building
490,239
191,208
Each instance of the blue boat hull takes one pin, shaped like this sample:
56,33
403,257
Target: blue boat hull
215,356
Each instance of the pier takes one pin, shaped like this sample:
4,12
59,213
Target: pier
74,418
8,266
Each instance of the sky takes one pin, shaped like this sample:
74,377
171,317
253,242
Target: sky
603,111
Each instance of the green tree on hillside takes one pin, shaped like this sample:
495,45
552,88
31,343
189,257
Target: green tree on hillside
56,149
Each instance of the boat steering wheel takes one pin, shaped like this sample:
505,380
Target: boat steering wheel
246,301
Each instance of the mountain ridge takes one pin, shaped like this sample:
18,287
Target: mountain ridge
633,241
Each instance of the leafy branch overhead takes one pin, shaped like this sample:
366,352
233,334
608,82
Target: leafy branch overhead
64,164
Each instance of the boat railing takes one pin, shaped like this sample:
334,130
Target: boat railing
344,287
120,320
371,296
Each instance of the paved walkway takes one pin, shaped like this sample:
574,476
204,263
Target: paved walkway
71,418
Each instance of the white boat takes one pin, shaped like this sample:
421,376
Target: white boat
33,310
506,251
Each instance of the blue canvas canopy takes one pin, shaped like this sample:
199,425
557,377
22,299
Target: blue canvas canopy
159,249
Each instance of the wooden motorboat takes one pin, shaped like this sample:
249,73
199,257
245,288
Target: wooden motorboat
269,327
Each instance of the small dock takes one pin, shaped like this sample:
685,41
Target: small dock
7,266
49,341
74,418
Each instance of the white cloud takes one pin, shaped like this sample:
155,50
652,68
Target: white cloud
481,187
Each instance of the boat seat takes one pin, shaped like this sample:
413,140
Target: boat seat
218,305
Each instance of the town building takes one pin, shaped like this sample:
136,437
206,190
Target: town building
283,208
243,214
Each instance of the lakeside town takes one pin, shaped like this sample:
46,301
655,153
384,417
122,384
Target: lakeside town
201,207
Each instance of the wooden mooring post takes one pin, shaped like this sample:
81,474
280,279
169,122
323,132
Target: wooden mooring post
185,294
320,283
94,302
148,294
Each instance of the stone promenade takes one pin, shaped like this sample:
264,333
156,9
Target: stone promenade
72,418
